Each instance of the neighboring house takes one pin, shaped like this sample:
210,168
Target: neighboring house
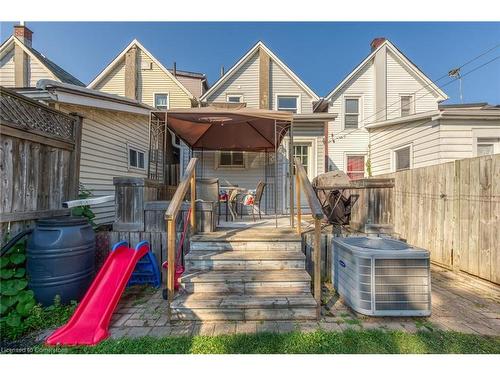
23,66
449,133
135,73
261,80
386,85
115,136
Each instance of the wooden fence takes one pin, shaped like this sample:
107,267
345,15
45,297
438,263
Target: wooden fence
39,161
451,209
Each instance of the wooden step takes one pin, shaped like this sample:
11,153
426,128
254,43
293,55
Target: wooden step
244,260
216,306
274,282
240,245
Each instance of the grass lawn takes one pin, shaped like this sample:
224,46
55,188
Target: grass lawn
320,342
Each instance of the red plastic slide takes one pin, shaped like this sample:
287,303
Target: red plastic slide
89,324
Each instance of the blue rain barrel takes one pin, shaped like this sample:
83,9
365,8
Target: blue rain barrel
60,259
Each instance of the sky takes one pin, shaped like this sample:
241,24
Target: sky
320,53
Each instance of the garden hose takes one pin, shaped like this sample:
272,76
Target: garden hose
15,240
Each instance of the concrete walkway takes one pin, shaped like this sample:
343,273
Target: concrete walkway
458,303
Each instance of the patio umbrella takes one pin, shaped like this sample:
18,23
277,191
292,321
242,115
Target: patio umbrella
228,129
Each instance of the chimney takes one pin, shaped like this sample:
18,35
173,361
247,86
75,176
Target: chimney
131,73
175,69
222,70
376,43
21,64
24,34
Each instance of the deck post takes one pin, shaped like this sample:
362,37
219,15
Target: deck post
299,209
290,179
317,263
193,202
171,264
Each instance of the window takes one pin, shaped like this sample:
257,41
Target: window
136,158
402,158
161,101
488,146
231,159
287,103
351,113
302,152
355,166
234,98
406,105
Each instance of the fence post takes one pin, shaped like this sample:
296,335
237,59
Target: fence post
193,202
299,209
317,263
171,264
455,260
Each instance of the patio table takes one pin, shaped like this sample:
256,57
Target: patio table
228,190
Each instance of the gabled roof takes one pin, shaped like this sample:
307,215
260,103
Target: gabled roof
51,66
405,60
245,58
121,55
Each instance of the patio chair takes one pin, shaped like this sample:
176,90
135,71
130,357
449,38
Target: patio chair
259,191
207,193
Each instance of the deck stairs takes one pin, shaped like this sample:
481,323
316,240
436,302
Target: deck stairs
250,274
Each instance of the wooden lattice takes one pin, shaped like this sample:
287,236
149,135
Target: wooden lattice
21,112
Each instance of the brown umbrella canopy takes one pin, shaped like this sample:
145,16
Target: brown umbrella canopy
242,129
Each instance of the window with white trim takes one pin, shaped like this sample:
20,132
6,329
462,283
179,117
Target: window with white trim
406,105
351,119
136,158
234,98
231,159
488,146
355,166
287,103
402,158
161,101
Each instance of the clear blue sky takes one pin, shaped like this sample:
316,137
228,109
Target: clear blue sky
320,53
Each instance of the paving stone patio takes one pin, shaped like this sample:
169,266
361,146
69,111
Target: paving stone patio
459,303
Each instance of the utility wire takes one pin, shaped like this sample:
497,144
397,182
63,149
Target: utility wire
341,136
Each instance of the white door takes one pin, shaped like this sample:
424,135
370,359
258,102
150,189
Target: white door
305,150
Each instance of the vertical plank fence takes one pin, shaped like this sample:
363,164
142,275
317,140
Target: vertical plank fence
451,209
39,161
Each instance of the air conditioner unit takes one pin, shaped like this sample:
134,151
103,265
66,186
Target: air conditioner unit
381,276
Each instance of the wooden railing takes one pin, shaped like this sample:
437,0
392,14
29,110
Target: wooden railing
188,182
302,184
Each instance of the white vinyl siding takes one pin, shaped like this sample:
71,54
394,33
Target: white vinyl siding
245,81
37,71
114,81
155,80
105,136
281,84
423,135
361,85
432,142
150,81
7,78
402,81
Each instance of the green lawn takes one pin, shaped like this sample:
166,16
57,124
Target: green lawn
320,342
